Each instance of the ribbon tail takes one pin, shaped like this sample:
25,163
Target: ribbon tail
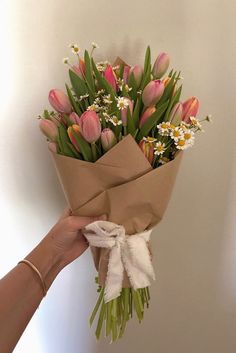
115,274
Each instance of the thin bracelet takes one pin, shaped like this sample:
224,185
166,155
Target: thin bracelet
34,268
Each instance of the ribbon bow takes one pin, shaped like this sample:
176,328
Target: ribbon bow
128,253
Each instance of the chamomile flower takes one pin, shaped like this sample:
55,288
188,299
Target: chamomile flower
94,107
189,137
176,133
159,148
164,128
122,103
195,122
149,139
115,121
94,45
209,118
65,61
74,48
84,96
182,144
107,99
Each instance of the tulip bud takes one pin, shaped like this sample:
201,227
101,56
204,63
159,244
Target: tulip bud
74,118
49,129
126,73
148,150
138,73
190,108
124,111
108,139
52,147
148,112
59,101
176,114
71,131
90,126
152,92
161,65
110,77
79,69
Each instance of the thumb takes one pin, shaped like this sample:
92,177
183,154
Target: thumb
78,223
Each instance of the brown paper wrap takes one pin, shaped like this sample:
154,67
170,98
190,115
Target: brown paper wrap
121,184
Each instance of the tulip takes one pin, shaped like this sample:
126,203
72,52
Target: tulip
152,92
166,81
74,118
190,108
161,65
72,131
125,111
138,73
90,126
110,77
52,147
108,139
176,114
148,150
79,69
49,129
126,73
147,113
59,101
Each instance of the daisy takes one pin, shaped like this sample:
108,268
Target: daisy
149,139
122,103
94,107
65,61
74,48
115,121
164,128
95,45
159,148
195,122
176,133
189,136
182,144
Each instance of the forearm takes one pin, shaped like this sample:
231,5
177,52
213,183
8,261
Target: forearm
21,293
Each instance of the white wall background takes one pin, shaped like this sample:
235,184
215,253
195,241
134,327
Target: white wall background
194,299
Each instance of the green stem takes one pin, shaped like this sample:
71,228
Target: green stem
94,151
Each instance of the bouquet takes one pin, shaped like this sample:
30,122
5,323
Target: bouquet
116,139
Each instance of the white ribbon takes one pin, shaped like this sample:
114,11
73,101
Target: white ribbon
128,252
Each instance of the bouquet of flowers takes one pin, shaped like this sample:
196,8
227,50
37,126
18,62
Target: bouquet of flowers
116,139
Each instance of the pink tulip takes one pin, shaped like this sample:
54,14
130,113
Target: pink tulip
153,92
90,126
190,108
72,131
49,129
126,73
79,68
74,118
147,149
161,65
138,73
108,139
147,113
176,114
110,77
125,111
59,101
52,147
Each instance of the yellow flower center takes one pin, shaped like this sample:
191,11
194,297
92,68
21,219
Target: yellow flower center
176,133
181,143
164,126
187,136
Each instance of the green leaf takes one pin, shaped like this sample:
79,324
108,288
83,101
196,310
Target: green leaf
136,113
132,84
147,68
79,86
73,102
130,123
102,81
89,74
152,120
74,150
63,141
84,147
173,101
168,90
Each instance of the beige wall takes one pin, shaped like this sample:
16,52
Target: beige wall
194,298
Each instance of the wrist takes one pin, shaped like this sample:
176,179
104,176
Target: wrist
47,260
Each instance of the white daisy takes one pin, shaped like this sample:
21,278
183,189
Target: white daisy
182,144
195,122
189,136
94,107
159,148
176,133
115,121
95,45
164,128
65,60
122,103
149,139
209,118
75,49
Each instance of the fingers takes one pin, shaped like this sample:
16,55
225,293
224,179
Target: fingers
76,223
66,213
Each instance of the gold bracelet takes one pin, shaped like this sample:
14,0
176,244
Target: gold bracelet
34,268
